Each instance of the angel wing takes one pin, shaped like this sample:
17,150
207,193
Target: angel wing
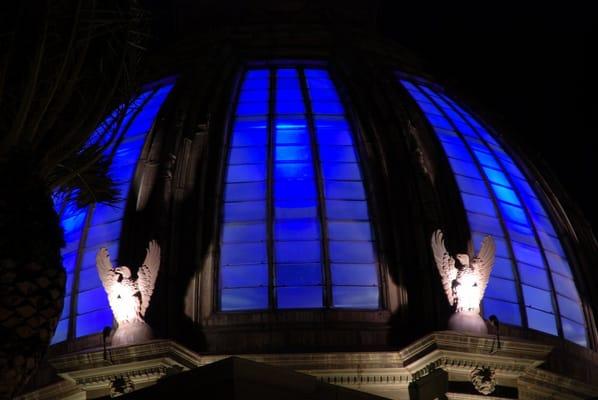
148,272
445,264
484,262
105,269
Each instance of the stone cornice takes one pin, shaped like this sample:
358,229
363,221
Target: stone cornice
383,372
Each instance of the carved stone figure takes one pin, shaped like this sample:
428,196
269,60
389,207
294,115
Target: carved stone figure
483,379
129,298
465,282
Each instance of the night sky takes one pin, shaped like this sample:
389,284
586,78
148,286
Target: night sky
533,69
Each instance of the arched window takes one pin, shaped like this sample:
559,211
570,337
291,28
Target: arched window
295,228
86,308
531,284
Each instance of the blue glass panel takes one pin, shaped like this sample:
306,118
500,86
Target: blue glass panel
244,276
565,286
243,253
292,153
496,176
344,190
247,232
104,213
507,313
297,252
513,213
94,322
300,229
291,131
327,107
456,150
247,155
61,331
128,152
101,234
512,169
438,121
535,207
257,74
258,95
502,289
245,211
346,209
355,297
528,254
505,194
252,108
484,224
503,267
551,243
287,84
502,248
319,83
521,233
473,186
70,277
250,133
352,230
290,107
477,204
354,274
72,240
244,299
89,279
295,209
299,297
289,189
464,168
333,131
123,173
75,222
574,332
351,252
245,191
337,154
293,171
323,94
298,274
541,321
89,255
543,224
256,83
537,298
246,173
92,300
570,309
66,308
429,108
534,276
341,171
486,159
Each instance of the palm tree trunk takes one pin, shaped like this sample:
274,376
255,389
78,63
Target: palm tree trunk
32,279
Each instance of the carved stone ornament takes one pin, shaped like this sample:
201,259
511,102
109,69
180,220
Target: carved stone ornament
129,298
483,380
465,282
121,385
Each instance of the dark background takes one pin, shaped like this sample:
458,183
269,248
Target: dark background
531,67
534,68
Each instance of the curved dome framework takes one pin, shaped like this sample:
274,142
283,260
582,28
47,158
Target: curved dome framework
292,174
531,284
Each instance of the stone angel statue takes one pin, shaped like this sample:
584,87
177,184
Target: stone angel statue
129,298
464,278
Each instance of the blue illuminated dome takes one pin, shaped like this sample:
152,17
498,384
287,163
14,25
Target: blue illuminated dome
294,199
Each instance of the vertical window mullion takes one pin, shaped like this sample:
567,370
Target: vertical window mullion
327,281
270,191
